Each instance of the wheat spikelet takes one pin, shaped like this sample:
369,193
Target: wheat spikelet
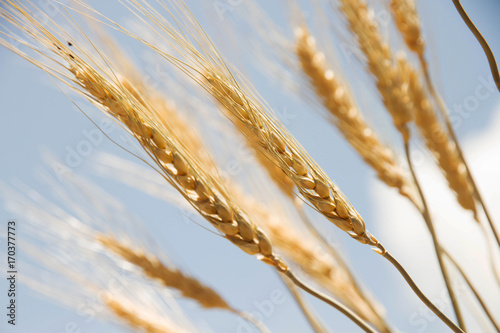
438,142
408,23
274,171
169,277
390,76
337,99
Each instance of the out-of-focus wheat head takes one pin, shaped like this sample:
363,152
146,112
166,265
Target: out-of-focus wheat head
337,99
408,23
167,276
129,315
416,98
432,129
438,142
390,74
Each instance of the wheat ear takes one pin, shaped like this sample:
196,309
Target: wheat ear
444,150
408,23
337,99
283,150
173,278
390,76
436,137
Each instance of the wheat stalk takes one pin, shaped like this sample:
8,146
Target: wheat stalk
336,98
311,317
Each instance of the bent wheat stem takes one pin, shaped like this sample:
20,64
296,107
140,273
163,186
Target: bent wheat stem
311,317
437,245
383,252
486,48
334,303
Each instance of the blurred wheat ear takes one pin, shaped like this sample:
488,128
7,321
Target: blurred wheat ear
336,98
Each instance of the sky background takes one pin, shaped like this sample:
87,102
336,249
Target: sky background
37,116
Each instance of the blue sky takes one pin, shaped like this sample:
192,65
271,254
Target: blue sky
36,116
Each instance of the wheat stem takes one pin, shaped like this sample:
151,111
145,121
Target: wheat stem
332,302
486,48
437,245
306,308
383,252
473,289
